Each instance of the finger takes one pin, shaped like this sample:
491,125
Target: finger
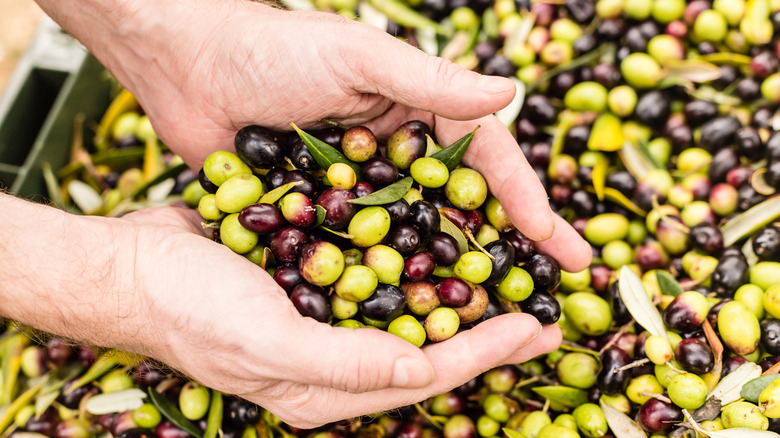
567,247
183,218
410,77
350,360
495,153
504,339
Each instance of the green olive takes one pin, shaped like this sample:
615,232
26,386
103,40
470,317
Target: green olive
496,407
665,373
619,402
408,328
765,274
194,401
666,11
622,100
687,391
605,228
497,216
341,308
639,387
487,427
356,283
516,286
115,381
710,25
466,189
533,424
222,165
441,324
575,281
369,226
238,192
586,96
486,234
588,312
193,193
616,254
429,172
147,416
591,420
322,263
769,399
125,124
640,70
743,414
658,349
578,370
557,431
386,262
342,176
752,297
566,420
235,236
474,267
739,328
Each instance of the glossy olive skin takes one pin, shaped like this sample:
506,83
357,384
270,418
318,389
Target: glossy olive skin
504,254
444,249
719,132
699,111
311,301
610,382
425,217
287,243
385,304
656,416
206,183
545,271
542,306
300,155
706,238
241,413
694,356
408,143
620,313
770,336
274,178
419,266
454,292
399,211
287,276
730,274
766,244
258,147
308,184
404,238
339,210
523,246
379,172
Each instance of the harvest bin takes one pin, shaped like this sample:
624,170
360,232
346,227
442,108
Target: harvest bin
54,82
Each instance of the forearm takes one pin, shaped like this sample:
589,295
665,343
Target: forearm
58,272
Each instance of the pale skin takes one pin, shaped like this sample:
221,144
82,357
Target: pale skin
151,283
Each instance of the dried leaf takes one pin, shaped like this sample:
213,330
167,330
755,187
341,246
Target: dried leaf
323,153
729,387
509,113
172,413
667,284
606,134
638,303
728,58
620,424
386,195
564,395
742,432
452,154
599,177
120,401
713,376
695,70
619,198
448,227
752,389
750,221
708,411
277,193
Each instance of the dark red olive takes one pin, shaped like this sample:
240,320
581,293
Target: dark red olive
59,352
731,364
339,210
379,171
707,238
363,188
149,373
712,315
620,312
261,218
308,184
311,301
609,381
287,276
694,356
699,111
454,292
166,429
719,132
444,248
524,247
656,416
419,266
287,243
275,177
455,216
399,210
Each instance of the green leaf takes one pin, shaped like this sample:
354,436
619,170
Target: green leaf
386,195
430,146
637,163
104,363
750,221
565,395
323,153
668,285
448,227
277,193
24,399
695,70
452,154
729,58
339,233
320,213
52,185
638,303
599,177
169,411
214,419
111,402
753,388
408,17
511,433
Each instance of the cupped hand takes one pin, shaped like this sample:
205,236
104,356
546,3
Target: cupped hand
200,300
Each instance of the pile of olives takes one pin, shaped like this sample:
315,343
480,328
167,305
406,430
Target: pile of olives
354,244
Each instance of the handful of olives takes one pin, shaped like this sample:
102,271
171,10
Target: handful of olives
396,236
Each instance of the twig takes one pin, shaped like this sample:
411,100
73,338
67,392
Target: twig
617,336
471,238
657,396
634,364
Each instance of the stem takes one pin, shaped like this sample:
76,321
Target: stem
657,396
470,236
617,336
634,364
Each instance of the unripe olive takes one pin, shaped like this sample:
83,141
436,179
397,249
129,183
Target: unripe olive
342,176
605,228
687,391
466,189
658,349
765,274
566,420
194,401
619,402
474,267
497,216
115,381
429,172
386,262
579,370
369,226
222,165
640,386
207,207
407,327
533,423
556,431
235,236
586,96
575,281
622,100
341,308
589,313
321,263
441,324
237,192
752,297
640,70
739,328
356,283
516,286
358,144
591,420
710,25
743,414
769,399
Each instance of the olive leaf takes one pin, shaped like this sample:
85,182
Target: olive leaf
173,414
752,389
12,349
24,399
323,153
694,70
728,390
728,58
511,433
408,17
430,147
277,193
565,395
621,424
52,186
599,178
108,403
509,113
667,284
452,154
619,198
637,163
644,149
338,233
708,411
86,198
320,213
386,195
750,221
214,419
448,227
638,303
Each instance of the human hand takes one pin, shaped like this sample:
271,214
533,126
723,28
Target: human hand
194,298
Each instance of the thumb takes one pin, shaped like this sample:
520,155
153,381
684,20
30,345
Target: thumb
407,75
353,360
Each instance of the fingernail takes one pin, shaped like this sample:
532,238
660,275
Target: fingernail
409,372
538,237
495,84
533,338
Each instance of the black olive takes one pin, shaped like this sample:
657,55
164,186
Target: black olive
542,306
259,147
385,304
730,273
653,108
719,132
610,382
504,254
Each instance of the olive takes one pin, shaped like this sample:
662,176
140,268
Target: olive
729,274
770,336
542,306
399,211
739,328
311,301
206,183
320,263
706,238
743,414
338,210
540,109
369,226
424,217
609,380
407,143
258,147
769,400
148,373
523,246
298,209
356,283
419,266
582,10
379,171
408,328
657,416
136,433
385,304
300,155
694,356
358,144
686,312
421,297
287,276
274,178
308,184
238,238
444,248
193,400
241,413
504,256
70,398
653,108
731,364
766,243
404,238
331,135
454,292
687,391
220,166
545,272
499,66
341,176
699,111
590,420
287,243
719,132
578,370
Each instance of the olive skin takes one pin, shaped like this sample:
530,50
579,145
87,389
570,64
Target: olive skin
258,147
385,304
379,172
770,336
206,183
339,211
730,274
504,255
766,244
545,271
719,132
620,313
425,217
739,328
407,143
686,312
444,248
699,111
610,382
694,356
653,108
308,186
656,416
542,306
311,301
300,155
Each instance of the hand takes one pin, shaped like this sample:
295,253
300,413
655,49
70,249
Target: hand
196,299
